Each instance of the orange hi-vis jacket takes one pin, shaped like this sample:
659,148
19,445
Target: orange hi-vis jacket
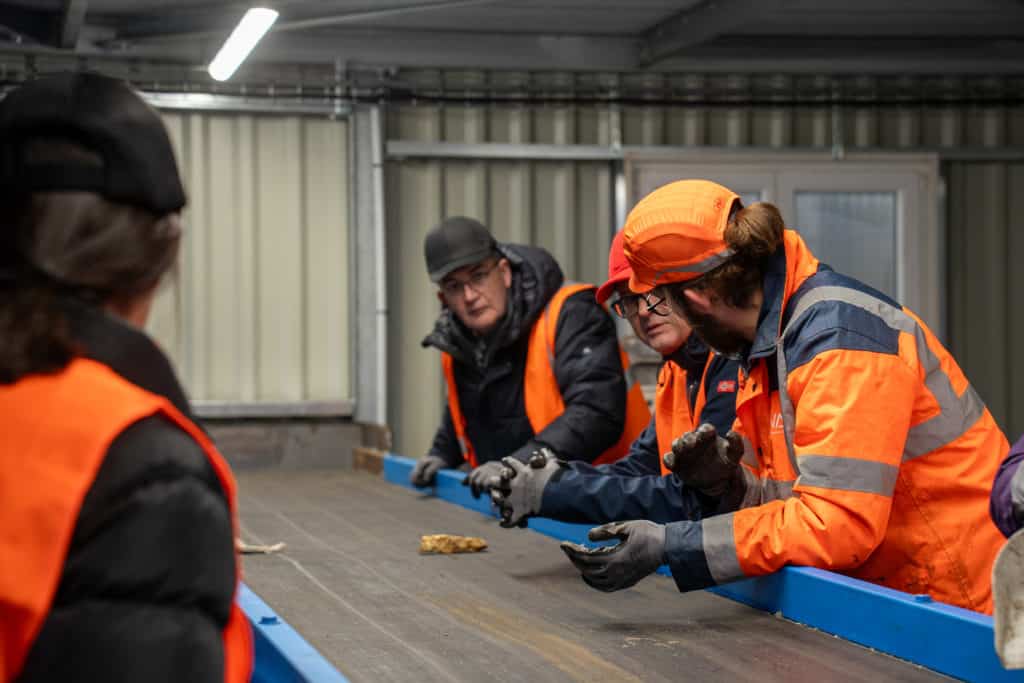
672,414
868,452
60,426
541,393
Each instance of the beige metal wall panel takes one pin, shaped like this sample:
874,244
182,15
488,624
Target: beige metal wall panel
328,336
259,310
415,203
985,284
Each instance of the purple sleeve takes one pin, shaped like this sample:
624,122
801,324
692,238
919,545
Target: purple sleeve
1002,502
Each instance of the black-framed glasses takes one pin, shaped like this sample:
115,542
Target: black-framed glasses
627,306
452,287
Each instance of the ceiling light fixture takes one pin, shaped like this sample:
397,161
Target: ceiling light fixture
256,22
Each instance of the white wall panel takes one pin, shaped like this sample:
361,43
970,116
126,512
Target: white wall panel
259,310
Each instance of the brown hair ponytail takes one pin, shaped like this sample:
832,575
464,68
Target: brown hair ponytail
753,234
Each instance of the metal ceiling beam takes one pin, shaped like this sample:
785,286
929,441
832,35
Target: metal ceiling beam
72,19
292,58
692,27
154,30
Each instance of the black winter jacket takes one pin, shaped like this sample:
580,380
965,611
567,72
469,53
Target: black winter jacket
150,573
633,487
489,372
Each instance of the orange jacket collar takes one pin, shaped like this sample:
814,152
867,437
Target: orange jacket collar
786,271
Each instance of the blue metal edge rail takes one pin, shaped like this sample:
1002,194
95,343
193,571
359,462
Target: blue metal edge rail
946,639
281,654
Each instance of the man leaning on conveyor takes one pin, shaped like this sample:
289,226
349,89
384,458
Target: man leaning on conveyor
117,558
530,362
864,448
694,387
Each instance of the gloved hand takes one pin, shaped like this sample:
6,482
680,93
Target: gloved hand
425,471
640,551
483,478
521,487
706,461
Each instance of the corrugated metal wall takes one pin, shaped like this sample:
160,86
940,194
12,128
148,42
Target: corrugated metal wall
566,207
562,206
985,282
259,310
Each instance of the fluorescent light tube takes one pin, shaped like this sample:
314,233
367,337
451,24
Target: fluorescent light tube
256,22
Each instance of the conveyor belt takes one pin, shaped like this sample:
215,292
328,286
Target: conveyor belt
353,584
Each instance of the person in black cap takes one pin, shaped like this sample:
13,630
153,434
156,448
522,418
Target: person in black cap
529,363
116,511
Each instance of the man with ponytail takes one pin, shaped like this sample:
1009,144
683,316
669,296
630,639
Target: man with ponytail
863,447
117,514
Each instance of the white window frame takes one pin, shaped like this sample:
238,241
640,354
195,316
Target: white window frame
779,175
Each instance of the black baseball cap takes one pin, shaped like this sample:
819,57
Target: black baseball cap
105,116
457,242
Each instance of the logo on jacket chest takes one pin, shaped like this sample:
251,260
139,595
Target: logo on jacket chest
778,426
727,386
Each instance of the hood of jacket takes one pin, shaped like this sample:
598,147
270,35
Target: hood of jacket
536,276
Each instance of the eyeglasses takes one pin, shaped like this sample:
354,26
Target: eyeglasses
628,305
452,287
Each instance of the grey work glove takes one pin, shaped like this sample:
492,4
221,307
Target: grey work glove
705,461
483,478
425,471
640,551
519,493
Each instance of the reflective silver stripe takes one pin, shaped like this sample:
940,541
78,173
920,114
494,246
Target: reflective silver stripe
464,446
785,404
956,415
761,490
710,263
720,548
847,474
774,489
749,456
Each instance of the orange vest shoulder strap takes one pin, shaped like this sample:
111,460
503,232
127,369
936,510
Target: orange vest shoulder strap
455,409
542,394
672,415
702,394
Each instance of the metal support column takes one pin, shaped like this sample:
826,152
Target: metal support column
369,276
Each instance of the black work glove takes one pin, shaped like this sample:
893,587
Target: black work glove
705,461
425,471
521,487
640,551
483,478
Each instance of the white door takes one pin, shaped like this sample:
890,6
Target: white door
873,217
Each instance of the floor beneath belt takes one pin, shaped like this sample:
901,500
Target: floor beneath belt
352,582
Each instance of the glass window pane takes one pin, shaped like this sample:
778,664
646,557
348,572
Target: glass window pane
854,232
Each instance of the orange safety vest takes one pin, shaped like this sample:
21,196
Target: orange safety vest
56,431
540,391
672,414
877,465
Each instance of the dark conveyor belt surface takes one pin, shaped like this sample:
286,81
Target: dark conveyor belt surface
352,583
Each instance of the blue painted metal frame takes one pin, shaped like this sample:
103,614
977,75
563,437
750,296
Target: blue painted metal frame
947,639
281,654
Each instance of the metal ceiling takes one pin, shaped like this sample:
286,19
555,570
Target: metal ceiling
707,36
